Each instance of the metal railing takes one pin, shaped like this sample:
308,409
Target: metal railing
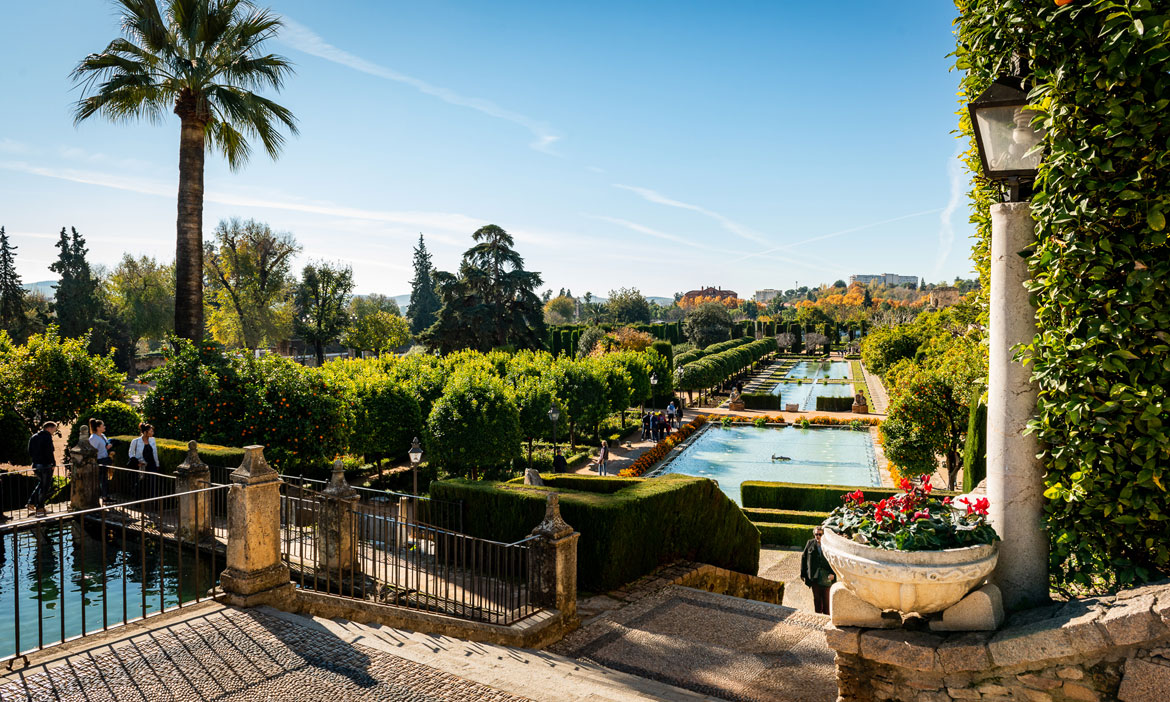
378,552
442,514
16,488
67,575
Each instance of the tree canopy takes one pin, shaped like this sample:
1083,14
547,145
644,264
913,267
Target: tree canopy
424,302
321,301
250,283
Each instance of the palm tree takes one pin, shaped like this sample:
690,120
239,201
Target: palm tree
202,59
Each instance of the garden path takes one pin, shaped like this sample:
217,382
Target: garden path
215,652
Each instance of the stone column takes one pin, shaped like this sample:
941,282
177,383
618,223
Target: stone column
336,531
194,510
84,488
1015,477
554,561
254,573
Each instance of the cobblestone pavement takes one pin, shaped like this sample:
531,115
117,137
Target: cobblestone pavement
722,646
237,655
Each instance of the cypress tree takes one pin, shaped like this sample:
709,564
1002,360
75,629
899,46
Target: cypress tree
11,293
76,302
424,303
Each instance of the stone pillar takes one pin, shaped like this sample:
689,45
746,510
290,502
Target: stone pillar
1015,477
194,510
336,545
554,561
84,488
254,573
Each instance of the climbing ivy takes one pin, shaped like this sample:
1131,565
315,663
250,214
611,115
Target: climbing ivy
1101,87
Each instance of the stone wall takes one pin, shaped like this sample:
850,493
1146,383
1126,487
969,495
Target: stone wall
1108,648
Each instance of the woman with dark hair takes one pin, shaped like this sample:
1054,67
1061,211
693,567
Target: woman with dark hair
144,457
97,439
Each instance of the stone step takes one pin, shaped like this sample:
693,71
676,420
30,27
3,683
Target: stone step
537,675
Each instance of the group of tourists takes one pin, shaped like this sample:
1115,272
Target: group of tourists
656,425
143,456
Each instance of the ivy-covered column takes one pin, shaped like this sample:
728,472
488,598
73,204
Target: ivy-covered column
1015,476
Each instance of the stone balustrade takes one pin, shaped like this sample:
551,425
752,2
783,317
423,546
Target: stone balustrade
1087,650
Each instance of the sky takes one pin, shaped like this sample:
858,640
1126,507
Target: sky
662,146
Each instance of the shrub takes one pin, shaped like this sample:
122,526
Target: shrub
834,404
120,418
885,347
54,378
913,520
473,426
975,450
784,534
298,414
628,527
762,401
805,497
386,414
14,436
784,516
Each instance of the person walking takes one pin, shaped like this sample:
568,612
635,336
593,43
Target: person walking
97,439
144,457
670,409
816,572
603,458
40,449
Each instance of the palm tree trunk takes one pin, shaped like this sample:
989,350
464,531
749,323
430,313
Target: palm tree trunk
189,239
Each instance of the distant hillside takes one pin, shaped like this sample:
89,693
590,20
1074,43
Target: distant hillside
45,287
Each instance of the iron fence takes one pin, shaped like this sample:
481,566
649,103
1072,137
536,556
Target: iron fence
67,575
16,489
376,551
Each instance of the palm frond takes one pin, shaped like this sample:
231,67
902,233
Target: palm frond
230,142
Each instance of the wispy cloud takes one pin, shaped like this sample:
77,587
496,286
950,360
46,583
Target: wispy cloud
649,231
416,220
726,222
831,235
301,38
946,230
12,146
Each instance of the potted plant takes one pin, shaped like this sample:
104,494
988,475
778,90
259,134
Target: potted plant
911,552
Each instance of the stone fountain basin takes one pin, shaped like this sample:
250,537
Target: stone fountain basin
908,581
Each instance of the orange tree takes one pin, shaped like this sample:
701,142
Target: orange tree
51,378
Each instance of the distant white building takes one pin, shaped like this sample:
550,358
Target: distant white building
891,279
766,295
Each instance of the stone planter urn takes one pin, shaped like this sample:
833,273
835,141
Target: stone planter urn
873,580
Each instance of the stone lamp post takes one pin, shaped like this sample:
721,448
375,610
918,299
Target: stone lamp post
1010,150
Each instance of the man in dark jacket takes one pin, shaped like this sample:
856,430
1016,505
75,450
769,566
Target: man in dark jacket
816,572
40,449
560,465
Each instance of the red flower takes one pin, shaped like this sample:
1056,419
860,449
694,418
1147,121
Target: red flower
921,515
926,485
906,484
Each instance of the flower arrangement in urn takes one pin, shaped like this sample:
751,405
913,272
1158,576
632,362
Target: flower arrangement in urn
913,553
914,520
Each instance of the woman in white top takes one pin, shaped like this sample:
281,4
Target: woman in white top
144,456
97,439
603,458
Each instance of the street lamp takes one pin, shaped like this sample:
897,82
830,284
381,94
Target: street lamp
415,454
1008,143
553,415
1010,151
653,382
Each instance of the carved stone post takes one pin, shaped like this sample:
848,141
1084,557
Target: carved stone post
255,573
336,546
84,485
194,510
554,561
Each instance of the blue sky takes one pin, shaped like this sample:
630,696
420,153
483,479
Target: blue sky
664,146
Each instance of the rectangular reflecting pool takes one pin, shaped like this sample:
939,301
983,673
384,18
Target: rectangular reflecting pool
806,394
818,455
830,370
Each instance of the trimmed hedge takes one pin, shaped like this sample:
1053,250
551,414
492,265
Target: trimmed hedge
784,516
806,497
625,533
172,452
784,534
762,401
834,404
119,418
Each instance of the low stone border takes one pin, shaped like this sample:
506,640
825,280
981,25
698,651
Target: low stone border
1106,648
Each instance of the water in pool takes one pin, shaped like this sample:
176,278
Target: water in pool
46,569
805,394
831,370
820,456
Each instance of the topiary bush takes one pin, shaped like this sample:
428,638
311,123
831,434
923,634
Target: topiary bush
473,426
14,436
119,417
628,527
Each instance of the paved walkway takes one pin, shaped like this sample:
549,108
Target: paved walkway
212,652
731,648
877,391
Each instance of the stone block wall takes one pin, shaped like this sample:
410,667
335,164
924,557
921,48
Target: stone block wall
1089,650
